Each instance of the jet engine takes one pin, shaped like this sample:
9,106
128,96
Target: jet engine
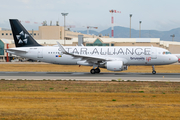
116,66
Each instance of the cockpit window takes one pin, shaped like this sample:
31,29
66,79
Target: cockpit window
166,53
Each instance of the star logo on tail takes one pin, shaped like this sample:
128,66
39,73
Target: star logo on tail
22,38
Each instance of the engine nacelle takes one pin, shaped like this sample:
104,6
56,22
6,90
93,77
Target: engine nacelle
116,66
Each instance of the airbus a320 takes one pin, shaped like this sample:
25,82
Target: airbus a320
112,58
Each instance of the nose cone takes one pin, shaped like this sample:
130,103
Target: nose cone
174,58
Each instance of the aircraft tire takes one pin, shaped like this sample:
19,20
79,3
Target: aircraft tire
153,72
97,70
93,71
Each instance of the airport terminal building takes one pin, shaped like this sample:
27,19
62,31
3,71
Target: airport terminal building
48,35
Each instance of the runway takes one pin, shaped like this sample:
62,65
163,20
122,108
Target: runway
174,77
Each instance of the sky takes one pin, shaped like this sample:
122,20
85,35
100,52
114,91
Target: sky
162,15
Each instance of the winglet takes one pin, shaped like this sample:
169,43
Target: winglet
62,48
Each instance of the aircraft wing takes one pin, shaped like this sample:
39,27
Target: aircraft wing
91,59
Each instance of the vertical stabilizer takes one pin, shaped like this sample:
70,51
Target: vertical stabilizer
21,36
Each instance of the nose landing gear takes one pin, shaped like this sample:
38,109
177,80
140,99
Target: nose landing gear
153,70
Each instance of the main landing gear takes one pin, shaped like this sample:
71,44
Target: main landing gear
93,71
153,70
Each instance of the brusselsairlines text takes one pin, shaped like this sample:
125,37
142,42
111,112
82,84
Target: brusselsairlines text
110,51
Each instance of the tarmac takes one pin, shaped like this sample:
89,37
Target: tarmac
86,76
172,77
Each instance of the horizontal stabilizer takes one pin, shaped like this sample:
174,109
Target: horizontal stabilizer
15,50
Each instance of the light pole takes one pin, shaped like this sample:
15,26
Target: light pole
140,29
130,26
64,14
173,37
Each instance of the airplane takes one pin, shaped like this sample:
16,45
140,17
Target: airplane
116,58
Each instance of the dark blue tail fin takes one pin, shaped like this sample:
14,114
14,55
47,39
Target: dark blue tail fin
21,36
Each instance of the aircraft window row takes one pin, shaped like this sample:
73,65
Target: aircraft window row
96,53
166,53
53,52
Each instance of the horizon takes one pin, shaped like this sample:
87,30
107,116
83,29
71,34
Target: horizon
8,28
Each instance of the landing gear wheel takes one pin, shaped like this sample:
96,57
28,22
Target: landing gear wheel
153,72
97,70
93,71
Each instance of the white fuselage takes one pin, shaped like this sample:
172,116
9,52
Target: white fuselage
129,55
